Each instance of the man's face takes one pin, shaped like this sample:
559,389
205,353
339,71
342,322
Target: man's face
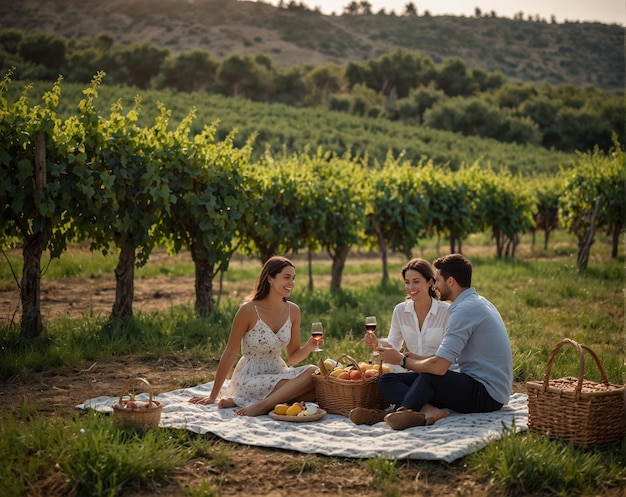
442,286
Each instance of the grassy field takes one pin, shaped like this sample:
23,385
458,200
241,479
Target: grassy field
540,295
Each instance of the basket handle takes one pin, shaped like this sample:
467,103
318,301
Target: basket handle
581,370
133,381
350,358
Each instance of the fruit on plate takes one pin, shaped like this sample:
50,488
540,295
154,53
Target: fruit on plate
294,409
311,408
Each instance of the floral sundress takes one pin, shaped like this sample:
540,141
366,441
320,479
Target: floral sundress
261,365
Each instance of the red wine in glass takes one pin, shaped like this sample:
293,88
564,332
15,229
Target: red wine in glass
317,332
370,324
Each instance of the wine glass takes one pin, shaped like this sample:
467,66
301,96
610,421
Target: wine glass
317,331
370,324
370,327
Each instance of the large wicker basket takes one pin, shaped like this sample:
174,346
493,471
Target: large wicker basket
338,396
141,417
580,411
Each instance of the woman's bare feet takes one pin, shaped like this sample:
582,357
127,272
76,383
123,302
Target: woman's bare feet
257,409
225,403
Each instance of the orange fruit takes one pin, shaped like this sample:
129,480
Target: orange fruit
370,373
355,375
293,410
345,375
281,409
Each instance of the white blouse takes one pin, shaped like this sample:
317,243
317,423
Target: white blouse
405,328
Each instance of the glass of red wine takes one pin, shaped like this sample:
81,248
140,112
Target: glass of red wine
317,331
370,327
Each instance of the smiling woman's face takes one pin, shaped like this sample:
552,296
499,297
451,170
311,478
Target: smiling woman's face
416,285
284,281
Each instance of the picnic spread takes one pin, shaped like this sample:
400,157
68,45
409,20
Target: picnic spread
334,434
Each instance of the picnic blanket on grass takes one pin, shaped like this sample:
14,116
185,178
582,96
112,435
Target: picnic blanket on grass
447,440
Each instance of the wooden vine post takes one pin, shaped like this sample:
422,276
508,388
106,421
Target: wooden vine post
30,290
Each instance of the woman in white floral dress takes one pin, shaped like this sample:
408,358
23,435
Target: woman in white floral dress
265,324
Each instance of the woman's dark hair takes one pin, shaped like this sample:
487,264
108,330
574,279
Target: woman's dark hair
423,268
271,268
457,266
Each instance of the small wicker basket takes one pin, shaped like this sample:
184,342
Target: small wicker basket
580,411
141,417
341,396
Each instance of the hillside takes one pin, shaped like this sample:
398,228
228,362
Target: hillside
532,51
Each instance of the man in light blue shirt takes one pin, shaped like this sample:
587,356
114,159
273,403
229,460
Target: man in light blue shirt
476,337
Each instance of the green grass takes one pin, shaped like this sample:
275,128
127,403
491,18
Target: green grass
529,464
384,471
540,295
86,454
204,489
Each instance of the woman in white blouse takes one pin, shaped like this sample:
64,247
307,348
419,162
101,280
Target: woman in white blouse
420,321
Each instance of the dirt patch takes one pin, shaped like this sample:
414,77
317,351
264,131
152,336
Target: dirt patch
78,297
94,296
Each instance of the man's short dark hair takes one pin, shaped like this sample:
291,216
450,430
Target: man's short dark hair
457,266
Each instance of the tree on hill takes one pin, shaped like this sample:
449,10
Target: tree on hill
189,72
365,7
410,9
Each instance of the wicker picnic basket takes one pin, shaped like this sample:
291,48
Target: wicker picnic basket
338,396
580,411
142,417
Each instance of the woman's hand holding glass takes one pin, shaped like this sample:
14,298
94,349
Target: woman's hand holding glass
371,341
370,329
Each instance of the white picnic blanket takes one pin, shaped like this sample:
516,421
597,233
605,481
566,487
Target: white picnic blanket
447,440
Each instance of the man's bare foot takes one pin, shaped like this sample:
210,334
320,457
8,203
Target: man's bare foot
433,413
225,403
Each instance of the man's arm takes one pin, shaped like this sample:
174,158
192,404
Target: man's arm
432,364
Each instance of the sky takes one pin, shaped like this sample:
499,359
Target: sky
605,11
